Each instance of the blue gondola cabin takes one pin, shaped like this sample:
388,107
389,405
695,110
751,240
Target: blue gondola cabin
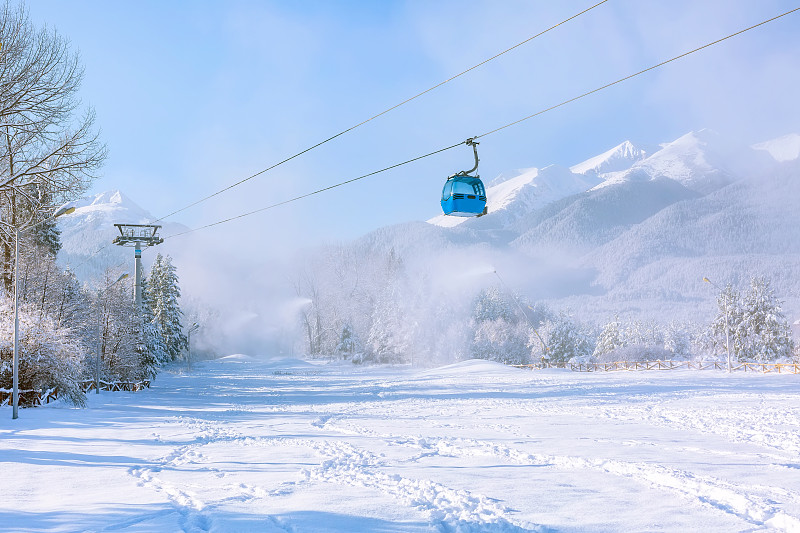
464,196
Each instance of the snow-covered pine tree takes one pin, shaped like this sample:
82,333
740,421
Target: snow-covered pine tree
763,333
164,295
46,235
491,304
678,340
567,340
610,338
152,351
349,343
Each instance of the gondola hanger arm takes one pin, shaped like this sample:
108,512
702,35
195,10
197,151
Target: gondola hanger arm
471,142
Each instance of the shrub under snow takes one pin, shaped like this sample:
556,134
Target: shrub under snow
50,357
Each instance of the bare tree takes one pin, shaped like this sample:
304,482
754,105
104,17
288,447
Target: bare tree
49,148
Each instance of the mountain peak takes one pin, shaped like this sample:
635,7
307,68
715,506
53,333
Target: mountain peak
618,159
109,202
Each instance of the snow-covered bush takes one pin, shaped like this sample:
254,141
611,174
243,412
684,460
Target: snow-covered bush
50,356
673,341
636,352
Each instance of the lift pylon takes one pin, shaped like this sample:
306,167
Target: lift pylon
139,236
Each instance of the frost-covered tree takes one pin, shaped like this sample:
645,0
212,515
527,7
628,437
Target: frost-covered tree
499,334
350,344
756,326
567,340
763,333
649,339
610,338
50,357
641,333
678,340
120,337
164,295
502,341
150,346
722,333
392,330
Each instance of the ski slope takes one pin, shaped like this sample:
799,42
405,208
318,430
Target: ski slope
246,444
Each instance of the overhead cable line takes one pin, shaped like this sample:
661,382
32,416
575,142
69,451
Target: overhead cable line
229,187
606,86
318,191
565,102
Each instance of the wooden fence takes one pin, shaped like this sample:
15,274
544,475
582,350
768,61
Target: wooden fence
33,398
113,386
765,368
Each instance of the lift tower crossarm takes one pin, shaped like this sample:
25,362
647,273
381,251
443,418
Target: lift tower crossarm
142,234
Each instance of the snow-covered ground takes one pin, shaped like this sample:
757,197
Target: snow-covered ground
243,444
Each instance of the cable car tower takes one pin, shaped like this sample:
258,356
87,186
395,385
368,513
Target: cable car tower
139,236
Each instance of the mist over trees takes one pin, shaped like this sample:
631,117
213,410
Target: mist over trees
371,306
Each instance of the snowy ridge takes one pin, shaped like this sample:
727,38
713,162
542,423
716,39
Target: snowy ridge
786,148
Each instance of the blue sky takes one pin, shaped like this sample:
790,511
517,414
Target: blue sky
193,96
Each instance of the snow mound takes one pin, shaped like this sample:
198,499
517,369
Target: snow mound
470,367
238,358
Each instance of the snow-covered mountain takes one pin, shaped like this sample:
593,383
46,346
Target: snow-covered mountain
639,227
702,161
91,228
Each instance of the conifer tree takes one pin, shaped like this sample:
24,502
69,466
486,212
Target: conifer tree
152,350
763,333
610,338
757,328
164,295
567,340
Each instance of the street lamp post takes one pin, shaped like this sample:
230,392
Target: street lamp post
99,354
193,327
63,210
727,326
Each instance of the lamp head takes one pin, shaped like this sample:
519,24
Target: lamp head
64,210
